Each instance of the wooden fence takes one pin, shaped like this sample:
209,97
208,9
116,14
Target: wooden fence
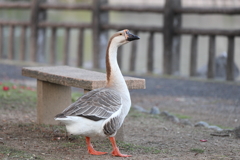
100,9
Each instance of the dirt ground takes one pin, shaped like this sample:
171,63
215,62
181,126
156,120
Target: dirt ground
146,136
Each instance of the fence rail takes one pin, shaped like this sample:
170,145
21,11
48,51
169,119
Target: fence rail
15,5
149,9
171,31
133,27
196,10
64,25
14,23
207,32
66,7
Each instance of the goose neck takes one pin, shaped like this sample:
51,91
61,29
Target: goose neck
114,76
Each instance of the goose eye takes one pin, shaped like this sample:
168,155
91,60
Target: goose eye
120,34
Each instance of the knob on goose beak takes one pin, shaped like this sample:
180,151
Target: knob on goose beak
130,36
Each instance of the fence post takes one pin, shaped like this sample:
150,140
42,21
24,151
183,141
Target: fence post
171,44
80,55
211,57
66,46
100,37
193,55
37,34
53,45
133,56
230,59
11,42
150,59
23,44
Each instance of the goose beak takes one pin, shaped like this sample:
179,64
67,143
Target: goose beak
130,36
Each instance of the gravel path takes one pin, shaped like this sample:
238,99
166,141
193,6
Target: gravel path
190,88
11,72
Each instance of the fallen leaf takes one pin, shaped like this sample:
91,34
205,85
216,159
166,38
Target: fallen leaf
5,88
22,87
203,140
14,87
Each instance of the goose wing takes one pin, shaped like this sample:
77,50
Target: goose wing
95,105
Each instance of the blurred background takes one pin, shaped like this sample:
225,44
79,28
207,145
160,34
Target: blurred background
202,21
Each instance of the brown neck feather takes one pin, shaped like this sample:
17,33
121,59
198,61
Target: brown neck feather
108,65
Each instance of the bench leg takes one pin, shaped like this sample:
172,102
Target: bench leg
51,100
120,133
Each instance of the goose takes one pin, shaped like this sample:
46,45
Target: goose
101,112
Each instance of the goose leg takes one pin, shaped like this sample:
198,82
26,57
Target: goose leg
91,150
116,151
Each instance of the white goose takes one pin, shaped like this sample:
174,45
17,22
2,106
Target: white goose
101,112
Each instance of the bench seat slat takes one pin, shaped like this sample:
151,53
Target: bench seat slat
76,77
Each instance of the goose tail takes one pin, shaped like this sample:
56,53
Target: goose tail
64,119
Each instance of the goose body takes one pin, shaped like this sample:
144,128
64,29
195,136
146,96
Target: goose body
91,114
101,112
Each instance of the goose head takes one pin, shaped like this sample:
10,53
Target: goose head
123,37
112,68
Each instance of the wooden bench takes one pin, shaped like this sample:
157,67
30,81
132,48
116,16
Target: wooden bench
54,87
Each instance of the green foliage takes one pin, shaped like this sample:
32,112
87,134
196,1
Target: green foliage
223,127
197,150
142,149
180,116
136,114
68,144
17,96
75,96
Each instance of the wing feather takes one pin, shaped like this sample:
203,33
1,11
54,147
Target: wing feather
96,104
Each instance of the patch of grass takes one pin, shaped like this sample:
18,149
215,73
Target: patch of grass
142,149
126,146
7,152
157,117
52,129
13,96
68,144
75,96
136,114
180,116
104,144
80,140
18,95
72,142
197,150
223,127
166,151
149,149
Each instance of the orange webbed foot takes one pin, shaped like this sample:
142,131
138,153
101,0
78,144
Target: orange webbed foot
94,152
91,150
117,153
